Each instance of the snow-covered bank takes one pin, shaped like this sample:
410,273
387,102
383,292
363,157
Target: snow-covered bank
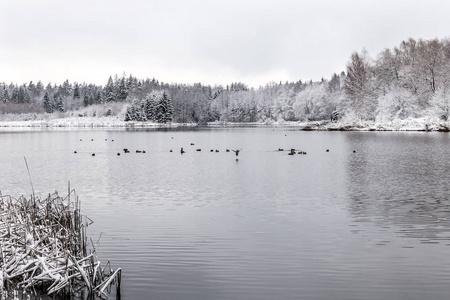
84,122
418,124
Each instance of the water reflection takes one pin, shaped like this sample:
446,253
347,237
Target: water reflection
398,179
326,225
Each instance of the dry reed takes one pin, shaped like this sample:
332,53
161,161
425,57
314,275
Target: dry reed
44,249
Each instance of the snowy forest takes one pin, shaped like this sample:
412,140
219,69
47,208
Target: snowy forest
411,80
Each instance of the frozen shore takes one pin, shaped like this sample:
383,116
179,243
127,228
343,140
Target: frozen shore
418,124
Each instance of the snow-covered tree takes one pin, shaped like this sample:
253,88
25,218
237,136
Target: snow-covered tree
164,108
85,100
359,87
76,92
307,105
398,103
122,90
109,91
48,103
440,104
150,106
5,95
59,104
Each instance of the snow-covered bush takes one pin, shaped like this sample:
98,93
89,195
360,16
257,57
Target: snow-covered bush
440,105
309,103
398,103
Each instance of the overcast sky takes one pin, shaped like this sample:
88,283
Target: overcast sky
207,41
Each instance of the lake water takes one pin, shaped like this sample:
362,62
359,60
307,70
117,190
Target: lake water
369,224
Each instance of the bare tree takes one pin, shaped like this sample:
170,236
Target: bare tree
358,86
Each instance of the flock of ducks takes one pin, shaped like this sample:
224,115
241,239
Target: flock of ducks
125,150
292,151
212,150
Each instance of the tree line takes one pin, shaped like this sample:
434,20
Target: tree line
409,81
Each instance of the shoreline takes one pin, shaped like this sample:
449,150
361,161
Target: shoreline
419,124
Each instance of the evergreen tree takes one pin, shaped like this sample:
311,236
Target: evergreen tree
76,92
48,103
39,89
15,95
98,97
150,106
130,114
21,95
5,95
109,91
59,104
164,108
86,99
122,91
67,88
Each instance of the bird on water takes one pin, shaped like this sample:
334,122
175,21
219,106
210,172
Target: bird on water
237,151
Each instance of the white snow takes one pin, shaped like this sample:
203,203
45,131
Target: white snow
411,124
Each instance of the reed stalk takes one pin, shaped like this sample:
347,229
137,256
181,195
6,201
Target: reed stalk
43,249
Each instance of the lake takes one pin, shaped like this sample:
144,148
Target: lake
369,219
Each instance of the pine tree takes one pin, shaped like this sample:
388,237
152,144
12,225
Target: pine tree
98,97
122,91
86,99
130,114
109,91
39,89
48,103
67,88
164,108
76,92
23,95
5,95
15,95
150,106
59,104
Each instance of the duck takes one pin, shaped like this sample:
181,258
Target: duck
182,151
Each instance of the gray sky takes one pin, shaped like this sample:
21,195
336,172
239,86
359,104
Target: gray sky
207,41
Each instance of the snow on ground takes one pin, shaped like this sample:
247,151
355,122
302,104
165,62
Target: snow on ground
82,122
418,124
